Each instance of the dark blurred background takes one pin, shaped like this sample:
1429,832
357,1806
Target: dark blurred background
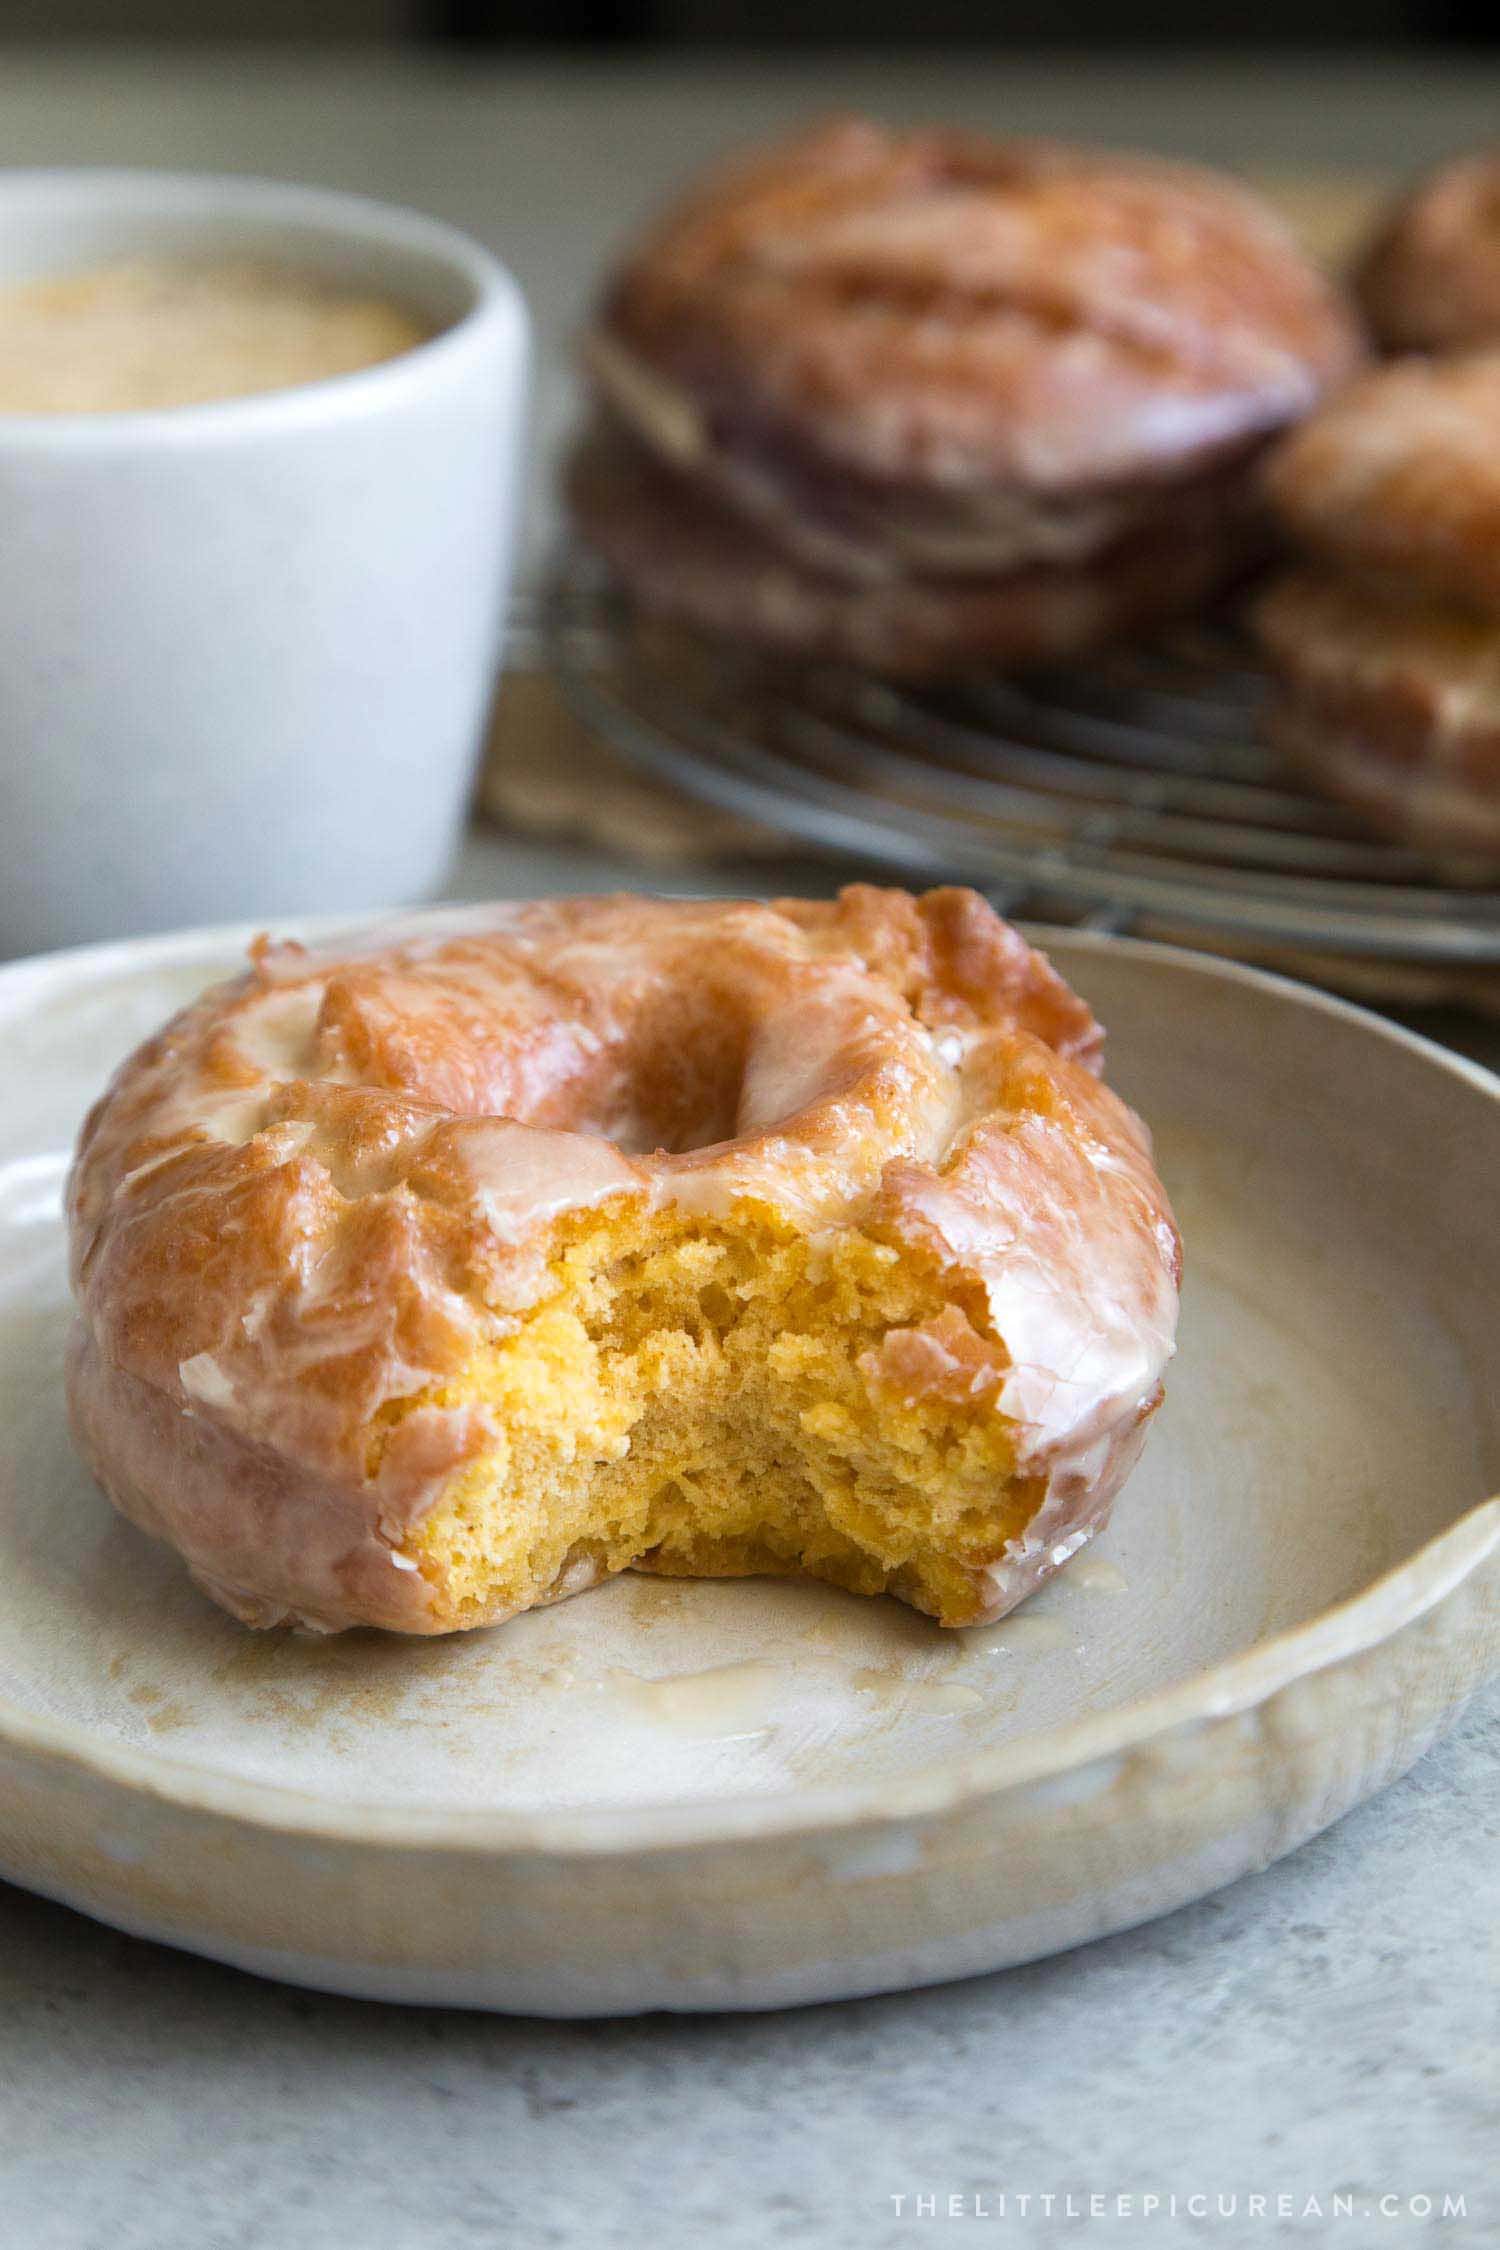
1122,25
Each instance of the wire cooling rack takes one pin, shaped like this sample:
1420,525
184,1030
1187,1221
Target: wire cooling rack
1132,793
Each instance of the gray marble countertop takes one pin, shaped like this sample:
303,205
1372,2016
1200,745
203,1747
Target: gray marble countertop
1326,2028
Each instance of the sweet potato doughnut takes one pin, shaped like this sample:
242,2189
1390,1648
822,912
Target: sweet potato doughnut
1391,706
430,1278
1387,651
1398,478
1430,280
973,374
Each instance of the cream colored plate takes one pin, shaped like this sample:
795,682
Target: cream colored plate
666,1795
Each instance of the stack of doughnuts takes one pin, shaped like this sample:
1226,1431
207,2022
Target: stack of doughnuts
1386,640
924,401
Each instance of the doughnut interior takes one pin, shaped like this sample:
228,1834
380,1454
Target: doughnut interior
432,1280
712,1400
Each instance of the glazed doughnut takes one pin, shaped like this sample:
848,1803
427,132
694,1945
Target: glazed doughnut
429,1278
686,559
1387,653
978,375
1391,706
1430,281
1399,478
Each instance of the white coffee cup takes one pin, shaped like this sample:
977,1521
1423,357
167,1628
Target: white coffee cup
247,647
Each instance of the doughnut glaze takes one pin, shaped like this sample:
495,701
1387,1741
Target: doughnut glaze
430,1276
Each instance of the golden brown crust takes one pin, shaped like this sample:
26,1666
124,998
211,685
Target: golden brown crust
1399,476
321,1190
688,558
936,306
1391,706
1430,280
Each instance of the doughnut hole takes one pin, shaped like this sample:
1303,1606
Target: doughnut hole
681,1060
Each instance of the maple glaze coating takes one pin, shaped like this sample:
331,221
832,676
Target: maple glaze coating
322,1188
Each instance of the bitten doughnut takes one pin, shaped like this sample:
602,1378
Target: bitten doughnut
426,1279
1430,280
1387,651
982,383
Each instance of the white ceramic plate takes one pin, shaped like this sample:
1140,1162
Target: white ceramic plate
742,1794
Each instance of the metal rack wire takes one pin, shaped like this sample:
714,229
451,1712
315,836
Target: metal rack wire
1131,793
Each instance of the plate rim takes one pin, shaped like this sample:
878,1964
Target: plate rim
1399,1597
